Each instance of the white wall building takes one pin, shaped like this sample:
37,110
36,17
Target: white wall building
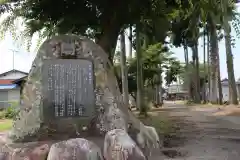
9,90
225,89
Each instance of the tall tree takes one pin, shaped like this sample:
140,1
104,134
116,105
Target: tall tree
196,81
225,5
105,18
140,96
188,82
213,59
204,63
124,69
208,63
220,94
155,55
130,41
202,74
230,69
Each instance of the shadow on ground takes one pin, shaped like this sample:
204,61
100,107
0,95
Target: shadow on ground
170,132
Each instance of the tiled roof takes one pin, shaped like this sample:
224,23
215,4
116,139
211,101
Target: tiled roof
19,80
5,81
14,70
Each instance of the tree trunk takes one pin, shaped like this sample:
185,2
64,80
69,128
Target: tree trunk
208,65
140,97
230,69
157,95
124,69
146,41
160,94
238,91
204,65
160,86
108,39
196,74
188,79
213,61
130,43
220,96
198,98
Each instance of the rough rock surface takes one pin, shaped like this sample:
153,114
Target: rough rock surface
146,147
72,149
110,110
119,146
75,149
25,151
3,156
39,153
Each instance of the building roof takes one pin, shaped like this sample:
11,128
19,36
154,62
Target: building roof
225,82
13,70
5,81
8,86
19,80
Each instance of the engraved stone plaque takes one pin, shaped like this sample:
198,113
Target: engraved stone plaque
68,88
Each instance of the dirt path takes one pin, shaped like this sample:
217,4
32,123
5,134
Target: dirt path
202,136
206,137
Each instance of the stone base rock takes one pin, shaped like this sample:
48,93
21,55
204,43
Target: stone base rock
75,149
25,151
146,146
72,149
119,146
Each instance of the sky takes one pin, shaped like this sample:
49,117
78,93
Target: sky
23,60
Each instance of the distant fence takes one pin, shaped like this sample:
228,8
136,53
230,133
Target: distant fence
6,104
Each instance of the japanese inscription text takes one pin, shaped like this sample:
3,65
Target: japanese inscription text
68,88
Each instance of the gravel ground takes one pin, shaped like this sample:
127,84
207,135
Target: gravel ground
206,137
202,136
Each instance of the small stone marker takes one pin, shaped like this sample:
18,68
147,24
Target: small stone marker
68,48
68,88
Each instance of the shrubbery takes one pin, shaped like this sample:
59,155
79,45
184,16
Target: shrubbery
2,114
9,112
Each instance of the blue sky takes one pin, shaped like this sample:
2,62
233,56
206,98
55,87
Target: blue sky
23,59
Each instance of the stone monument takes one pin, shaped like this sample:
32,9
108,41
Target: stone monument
71,92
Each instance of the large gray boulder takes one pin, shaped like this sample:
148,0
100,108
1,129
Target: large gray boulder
118,145
75,149
25,151
145,146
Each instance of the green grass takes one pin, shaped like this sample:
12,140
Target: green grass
5,124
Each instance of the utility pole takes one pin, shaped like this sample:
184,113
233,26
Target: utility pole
13,57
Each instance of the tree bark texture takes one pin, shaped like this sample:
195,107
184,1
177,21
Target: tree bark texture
230,69
140,96
213,61
124,69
